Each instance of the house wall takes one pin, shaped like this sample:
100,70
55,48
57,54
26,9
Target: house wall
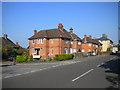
105,44
89,47
48,49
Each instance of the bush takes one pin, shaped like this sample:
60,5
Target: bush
17,52
63,57
30,58
21,58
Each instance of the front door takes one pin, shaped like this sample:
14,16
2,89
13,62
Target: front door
37,51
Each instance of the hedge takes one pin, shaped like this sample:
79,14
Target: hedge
21,58
30,58
63,57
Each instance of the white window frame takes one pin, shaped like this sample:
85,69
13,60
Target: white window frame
66,50
82,50
66,41
51,41
71,50
96,46
33,50
89,44
79,43
40,41
89,50
74,50
51,51
71,42
33,41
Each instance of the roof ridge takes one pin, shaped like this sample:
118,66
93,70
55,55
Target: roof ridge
49,29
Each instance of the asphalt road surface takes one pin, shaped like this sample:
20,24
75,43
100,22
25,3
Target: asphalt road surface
89,72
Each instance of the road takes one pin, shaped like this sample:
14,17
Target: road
89,72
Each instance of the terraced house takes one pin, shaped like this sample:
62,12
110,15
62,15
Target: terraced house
51,42
90,44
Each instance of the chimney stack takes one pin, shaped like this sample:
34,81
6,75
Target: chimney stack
35,32
60,26
104,35
90,36
85,38
17,44
5,36
71,30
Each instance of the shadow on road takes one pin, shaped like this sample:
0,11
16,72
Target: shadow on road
113,67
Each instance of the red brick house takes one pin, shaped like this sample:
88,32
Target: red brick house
90,45
51,42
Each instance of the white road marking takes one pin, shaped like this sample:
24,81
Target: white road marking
98,65
82,75
53,66
17,74
8,76
102,63
32,71
44,68
26,72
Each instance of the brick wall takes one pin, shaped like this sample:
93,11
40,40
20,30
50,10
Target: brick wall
52,47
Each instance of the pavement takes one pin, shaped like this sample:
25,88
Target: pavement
88,72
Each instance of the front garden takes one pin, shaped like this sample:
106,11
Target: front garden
61,57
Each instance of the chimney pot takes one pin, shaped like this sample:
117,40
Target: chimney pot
17,44
104,35
85,38
5,36
71,30
60,26
90,36
35,32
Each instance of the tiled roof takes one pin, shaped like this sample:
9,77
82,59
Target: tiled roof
104,39
7,42
54,33
74,36
90,40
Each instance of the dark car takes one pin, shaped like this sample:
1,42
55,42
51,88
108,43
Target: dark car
92,54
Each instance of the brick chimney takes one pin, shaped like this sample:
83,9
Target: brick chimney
90,36
35,32
85,38
5,36
71,30
60,26
104,35
17,44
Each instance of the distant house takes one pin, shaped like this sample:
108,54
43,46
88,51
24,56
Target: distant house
7,42
106,43
90,45
51,42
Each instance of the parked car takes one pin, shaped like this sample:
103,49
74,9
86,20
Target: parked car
113,52
86,54
92,53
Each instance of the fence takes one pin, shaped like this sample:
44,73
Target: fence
78,55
